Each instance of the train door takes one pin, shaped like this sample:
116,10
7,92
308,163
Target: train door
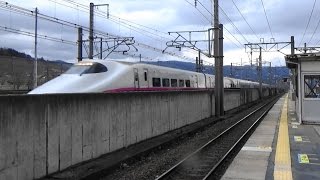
197,81
144,79
136,78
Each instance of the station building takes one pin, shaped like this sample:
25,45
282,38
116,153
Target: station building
305,87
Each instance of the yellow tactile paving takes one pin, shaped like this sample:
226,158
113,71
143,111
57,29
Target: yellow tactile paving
282,168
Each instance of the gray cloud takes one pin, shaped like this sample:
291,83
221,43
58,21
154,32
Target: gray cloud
286,18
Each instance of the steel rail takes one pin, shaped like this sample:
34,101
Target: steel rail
238,141
172,169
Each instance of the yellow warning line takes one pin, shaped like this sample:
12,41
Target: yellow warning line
282,168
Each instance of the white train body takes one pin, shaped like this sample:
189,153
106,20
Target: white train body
115,76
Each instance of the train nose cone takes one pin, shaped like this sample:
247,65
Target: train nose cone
65,83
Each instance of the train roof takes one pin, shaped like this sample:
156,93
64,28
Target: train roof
119,61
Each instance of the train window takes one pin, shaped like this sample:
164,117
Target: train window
145,76
174,83
96,68
156,82
187,83
312,86
87,68
181,83
165,82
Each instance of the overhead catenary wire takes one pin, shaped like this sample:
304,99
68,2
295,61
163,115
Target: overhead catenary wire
235,27
225,14
69,24
131,27
265,13
86,9
245,19
305,30
105,15
198,11
315,30
156,30
23,11
41,36
223,26
236,45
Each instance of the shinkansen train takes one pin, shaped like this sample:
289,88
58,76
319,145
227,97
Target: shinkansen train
118,76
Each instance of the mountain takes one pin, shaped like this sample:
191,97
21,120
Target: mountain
12,52
16,70
239,72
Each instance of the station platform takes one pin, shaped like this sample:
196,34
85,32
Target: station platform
280,148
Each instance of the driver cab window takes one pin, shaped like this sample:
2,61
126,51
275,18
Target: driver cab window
87,68
96,68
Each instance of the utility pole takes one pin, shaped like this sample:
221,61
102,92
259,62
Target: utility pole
79,44
91,32
100,48
260,73
241,69
35,65
270,73
292,45
268,47
91,21
12,73
47,71
251,58
218,92
201,65
231,74
275,77
197,64
199,61
220,70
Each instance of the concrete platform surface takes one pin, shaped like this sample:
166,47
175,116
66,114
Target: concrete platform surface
259,159
305,147
252,160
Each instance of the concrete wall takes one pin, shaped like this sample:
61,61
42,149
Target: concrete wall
231,99
42,134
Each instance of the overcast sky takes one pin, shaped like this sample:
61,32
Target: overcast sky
148,21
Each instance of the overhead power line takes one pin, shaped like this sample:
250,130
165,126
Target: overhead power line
245,19
315,30
128,24
225,14
86,7
145,31
41,36
235,27
241,45
198,11
27,12
314,3
265,13
140,30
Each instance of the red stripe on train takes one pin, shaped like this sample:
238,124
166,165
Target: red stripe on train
151,89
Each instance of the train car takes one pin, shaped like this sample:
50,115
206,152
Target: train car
117,76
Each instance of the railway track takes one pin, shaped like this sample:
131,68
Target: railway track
204,162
